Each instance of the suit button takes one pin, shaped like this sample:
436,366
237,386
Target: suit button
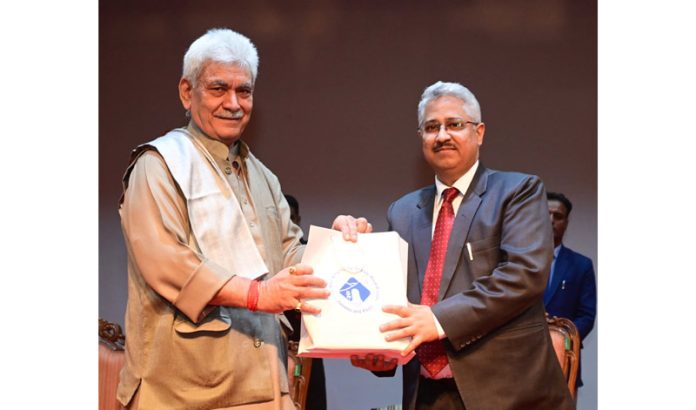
257,342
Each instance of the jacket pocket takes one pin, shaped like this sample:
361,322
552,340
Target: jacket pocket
520,330
482,245
483,255
216,322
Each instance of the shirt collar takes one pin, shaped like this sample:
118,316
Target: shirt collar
556,250
462,184
216,148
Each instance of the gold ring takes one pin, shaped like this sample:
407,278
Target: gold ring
292,270
298,307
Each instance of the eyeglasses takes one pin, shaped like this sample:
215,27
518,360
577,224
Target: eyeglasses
432,128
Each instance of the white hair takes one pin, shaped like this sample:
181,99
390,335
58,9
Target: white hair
221,45
441,89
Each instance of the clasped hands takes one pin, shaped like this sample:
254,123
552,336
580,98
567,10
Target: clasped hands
414,321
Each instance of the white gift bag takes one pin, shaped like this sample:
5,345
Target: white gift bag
362,277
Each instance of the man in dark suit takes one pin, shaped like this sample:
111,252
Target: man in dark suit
480,250
571,290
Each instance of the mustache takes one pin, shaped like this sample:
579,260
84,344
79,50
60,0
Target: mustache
443,145
230,115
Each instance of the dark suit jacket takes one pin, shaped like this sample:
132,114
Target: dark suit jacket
573,293
490,307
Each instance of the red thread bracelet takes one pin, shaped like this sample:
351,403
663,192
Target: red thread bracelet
253,295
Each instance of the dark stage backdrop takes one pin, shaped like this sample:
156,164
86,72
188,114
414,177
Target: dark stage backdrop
335,111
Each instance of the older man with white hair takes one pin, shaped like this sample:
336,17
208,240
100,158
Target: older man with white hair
212,253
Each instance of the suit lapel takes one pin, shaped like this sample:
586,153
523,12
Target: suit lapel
559,274
422,234
460,229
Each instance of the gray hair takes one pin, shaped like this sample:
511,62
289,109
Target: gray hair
221,45
441,89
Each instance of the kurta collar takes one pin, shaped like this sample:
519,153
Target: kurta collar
216,148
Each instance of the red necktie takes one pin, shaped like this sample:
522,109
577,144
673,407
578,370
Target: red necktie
432,354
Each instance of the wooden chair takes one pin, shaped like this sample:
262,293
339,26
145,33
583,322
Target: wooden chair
299,372
566,343
111,359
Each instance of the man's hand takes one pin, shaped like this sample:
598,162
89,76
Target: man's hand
373,362
415,321
351,226
289,288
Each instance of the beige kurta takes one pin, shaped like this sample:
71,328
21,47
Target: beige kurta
180,352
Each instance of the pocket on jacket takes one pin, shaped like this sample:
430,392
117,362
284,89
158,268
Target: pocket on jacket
520,330
215,322
483,255
484,244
